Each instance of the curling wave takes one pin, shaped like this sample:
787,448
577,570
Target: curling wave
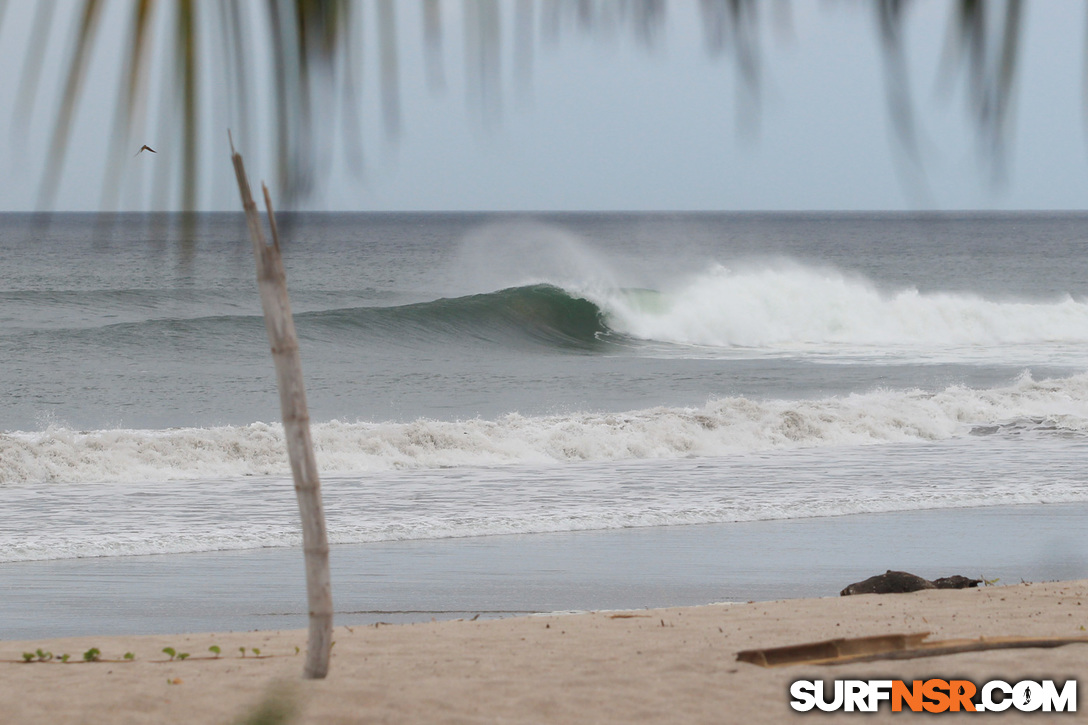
543,313
767,310
540,314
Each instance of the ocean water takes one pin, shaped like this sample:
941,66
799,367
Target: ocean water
477,374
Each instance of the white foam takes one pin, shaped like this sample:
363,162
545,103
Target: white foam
721,427
116,519
796,307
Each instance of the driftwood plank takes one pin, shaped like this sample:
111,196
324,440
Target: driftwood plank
889,647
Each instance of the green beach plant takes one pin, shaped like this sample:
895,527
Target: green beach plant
92,655
170,651
214,649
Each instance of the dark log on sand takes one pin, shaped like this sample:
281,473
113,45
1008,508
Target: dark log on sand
900,582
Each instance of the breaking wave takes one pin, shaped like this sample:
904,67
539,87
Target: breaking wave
721,427
789,310
806,307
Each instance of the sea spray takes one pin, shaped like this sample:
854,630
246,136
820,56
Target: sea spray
524,253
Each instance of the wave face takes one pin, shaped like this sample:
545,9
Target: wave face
541,312
722,427
803,307
774,310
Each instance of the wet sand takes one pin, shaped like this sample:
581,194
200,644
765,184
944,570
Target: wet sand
510,575
667,665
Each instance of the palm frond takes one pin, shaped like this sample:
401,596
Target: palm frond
129,110
187,68
389,68
84,43
316,72
432,43
984,38
734,25
32,64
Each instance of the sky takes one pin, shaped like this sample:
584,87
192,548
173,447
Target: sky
590,121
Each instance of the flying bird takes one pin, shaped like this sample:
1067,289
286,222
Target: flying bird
143,148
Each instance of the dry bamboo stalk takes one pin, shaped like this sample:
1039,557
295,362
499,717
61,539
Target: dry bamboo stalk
272,283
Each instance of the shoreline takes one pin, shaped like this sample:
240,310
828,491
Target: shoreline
496,576
674,664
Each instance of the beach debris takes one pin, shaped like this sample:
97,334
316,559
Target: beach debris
956,582
890,647
900,582
890,582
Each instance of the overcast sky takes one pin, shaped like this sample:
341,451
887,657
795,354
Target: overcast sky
603,122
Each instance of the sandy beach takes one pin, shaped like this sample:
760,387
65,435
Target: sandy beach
662,665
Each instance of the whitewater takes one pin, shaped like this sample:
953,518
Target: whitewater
722,427
483,374
797,309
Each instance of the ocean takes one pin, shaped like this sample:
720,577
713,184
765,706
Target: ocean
480,374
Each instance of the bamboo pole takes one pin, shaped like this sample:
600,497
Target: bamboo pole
272,283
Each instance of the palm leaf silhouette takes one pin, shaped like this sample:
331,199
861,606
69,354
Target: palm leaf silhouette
314,61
